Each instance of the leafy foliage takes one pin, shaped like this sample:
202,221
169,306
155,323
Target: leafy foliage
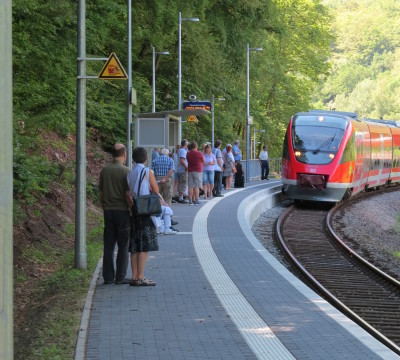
294,34
32,174
365,61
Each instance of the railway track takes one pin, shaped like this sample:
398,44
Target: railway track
364,293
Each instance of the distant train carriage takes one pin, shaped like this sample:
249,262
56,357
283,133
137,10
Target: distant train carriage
329,155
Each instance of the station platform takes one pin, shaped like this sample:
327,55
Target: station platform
219,295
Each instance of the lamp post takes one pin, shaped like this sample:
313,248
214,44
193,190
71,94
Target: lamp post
6,185
129,90
80,189
154,75
248,108
261,131
212,118
180,69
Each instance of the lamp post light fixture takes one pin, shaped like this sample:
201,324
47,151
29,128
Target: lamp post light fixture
212,118
261,131
180,69
248,108
154,75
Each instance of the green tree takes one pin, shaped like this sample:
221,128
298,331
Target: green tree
294,34
364,60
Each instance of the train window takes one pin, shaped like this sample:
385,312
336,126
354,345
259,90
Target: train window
396,156
316,144
321,121
350,151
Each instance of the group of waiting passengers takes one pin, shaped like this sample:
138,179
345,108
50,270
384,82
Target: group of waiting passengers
192,169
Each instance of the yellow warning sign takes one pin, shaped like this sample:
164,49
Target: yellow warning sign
192,118
113,69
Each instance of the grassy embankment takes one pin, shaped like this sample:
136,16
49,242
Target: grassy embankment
59,298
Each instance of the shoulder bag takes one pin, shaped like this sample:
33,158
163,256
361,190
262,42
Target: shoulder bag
145,205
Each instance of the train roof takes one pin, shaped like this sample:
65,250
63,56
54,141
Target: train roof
352,115
382,121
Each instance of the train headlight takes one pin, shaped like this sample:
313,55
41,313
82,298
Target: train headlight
331,156
297,153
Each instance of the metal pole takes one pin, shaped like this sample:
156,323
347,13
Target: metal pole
180,69
154,80
180,76
6,185
254,139
247,113
80,198
212,122
154,74
129,90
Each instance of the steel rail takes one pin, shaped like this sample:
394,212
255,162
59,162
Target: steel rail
326,293
354,254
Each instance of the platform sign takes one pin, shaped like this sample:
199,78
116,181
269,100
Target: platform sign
113,69
192,118
194,105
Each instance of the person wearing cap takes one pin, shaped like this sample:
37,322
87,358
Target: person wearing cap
163,167
264,163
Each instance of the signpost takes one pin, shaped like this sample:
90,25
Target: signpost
113,69
195,105
192,118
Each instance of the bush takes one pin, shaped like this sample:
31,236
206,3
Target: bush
32,175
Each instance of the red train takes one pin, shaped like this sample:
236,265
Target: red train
329,155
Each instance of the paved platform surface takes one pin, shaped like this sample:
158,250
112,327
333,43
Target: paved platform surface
220,295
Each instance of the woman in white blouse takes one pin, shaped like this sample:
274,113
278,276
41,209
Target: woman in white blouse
143,237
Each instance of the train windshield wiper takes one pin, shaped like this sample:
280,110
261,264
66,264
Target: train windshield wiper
324,144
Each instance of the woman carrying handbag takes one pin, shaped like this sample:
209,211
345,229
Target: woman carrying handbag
143,237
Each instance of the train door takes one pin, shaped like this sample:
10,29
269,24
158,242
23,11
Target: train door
395,171
358,162
362,150
381,157
366,157
381,154
386,139
375,165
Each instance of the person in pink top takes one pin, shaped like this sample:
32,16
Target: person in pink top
195,159
208,171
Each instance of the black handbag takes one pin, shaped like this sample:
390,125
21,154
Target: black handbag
146,205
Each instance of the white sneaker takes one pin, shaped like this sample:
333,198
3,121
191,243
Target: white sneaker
160,230
170,232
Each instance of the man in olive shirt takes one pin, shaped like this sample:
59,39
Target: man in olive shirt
116,200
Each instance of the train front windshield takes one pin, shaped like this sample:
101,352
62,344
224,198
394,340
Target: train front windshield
316,139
